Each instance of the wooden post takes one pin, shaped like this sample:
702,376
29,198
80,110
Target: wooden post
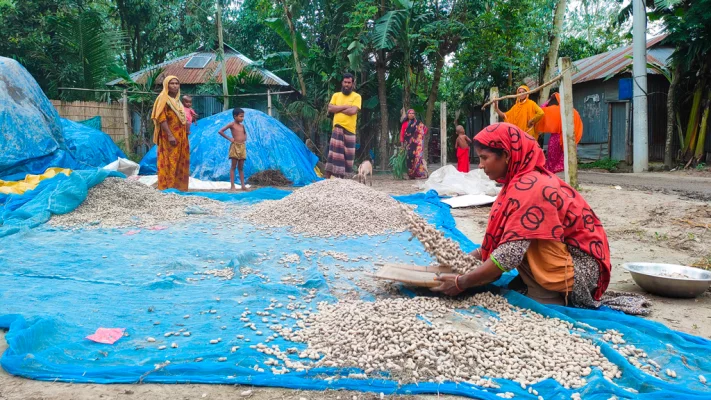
443,133
493,116
570,150
269,102
126,135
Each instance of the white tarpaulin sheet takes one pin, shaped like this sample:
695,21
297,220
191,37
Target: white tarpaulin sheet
123,165
194,184
469,200
447,181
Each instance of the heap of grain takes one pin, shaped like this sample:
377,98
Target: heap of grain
446,251
390,335
332,207
120,202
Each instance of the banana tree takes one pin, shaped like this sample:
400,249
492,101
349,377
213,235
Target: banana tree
398,28
141,97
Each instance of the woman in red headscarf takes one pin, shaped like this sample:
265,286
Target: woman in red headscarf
412,137
542,227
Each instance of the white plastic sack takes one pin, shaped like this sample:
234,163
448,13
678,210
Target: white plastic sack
447,181
123,165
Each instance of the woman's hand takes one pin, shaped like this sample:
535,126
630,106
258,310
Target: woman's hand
450,285
173,141
476,253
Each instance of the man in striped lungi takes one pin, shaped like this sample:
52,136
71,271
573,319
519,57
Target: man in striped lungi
344,106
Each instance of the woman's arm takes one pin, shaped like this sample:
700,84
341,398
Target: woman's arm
166,131
506,257
537,117
499,112
452,285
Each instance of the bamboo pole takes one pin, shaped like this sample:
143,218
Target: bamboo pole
513,96
570,150
126,136
192,95
269,102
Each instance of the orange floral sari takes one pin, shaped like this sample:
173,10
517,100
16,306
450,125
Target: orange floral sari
173,160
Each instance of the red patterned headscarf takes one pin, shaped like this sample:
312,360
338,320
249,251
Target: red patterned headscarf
536,204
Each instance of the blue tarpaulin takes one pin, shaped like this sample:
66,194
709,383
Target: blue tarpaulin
75,281
32,135
270,145
89,146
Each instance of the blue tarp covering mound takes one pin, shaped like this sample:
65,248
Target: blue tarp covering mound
32,135
270,145
154,281
89,146
29,124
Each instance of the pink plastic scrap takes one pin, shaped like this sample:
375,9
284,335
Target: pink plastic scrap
133,232
157,228
107,335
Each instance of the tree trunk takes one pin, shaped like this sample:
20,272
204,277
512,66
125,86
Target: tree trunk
383,100
552,55
668,156
294,49
431,99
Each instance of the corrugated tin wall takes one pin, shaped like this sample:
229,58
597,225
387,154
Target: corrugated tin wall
592,100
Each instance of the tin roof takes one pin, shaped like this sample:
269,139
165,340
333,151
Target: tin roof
613,62
234,63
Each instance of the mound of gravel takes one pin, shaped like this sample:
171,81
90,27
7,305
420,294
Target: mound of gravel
117,203
332,207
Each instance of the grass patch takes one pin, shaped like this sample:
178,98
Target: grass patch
703,263
607,164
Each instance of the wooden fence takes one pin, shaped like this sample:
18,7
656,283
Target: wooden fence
112,120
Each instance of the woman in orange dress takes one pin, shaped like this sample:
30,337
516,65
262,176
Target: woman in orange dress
170,135
524,114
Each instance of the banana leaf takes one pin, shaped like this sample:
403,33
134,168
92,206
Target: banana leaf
398,163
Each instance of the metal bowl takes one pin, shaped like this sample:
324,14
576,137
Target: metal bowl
664,279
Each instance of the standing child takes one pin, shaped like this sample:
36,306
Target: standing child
238,148
190,114
462,150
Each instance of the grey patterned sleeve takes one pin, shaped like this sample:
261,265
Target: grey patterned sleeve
510,254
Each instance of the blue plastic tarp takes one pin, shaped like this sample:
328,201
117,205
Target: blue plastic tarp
32,135
29,124
147,282
58,195
270,145
89,146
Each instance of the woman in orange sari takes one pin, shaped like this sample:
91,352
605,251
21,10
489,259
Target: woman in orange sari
524,114
552,123
170,135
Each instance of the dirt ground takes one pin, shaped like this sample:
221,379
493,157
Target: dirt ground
668,221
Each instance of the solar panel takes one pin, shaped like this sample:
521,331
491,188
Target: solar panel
198,62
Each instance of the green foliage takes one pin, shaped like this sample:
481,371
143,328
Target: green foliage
607,164
398,163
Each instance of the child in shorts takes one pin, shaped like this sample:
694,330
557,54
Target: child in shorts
238,148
